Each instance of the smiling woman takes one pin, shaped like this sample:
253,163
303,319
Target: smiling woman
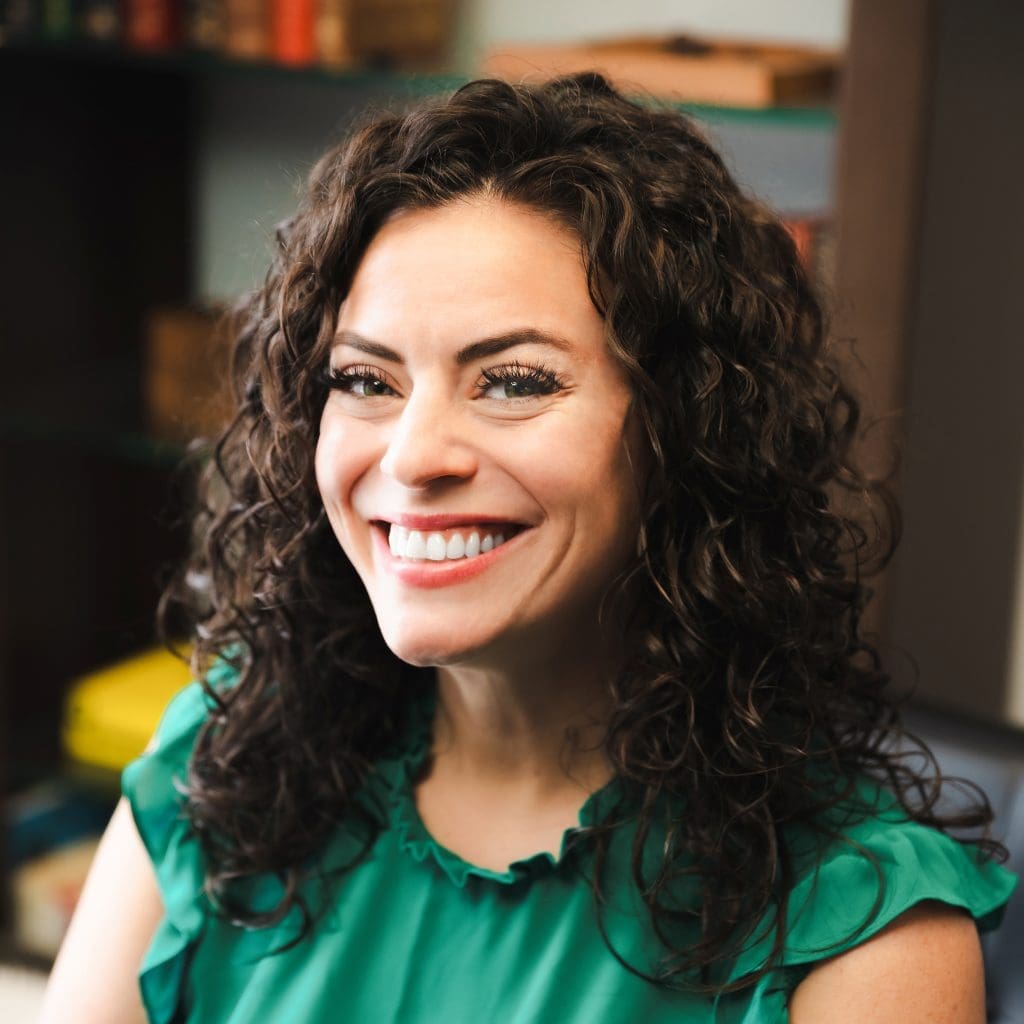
530,678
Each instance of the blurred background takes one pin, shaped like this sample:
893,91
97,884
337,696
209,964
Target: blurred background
149,148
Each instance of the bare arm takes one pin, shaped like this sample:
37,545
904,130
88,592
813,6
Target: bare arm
923,968
94,978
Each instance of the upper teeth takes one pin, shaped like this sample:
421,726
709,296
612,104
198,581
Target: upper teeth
437,547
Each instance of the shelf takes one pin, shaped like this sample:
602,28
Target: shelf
121,446
410,83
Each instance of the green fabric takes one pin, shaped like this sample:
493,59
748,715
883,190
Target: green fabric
414,934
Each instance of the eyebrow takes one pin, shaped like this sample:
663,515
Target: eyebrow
476,350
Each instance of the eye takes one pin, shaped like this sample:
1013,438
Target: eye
359,381
518,381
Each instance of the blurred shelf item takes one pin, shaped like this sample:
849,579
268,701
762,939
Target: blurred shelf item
110,714
185,374
53,827
713,73
814,236
52,830
45,892
338,34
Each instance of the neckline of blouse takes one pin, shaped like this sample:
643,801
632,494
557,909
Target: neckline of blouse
399,774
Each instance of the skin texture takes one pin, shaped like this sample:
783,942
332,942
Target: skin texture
520,651
924,968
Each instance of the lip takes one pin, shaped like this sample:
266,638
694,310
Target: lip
437,521
429,575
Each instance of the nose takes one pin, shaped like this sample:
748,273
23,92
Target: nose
428,442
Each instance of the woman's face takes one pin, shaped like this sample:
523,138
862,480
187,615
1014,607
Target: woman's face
473,452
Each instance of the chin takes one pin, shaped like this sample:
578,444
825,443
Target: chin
428,649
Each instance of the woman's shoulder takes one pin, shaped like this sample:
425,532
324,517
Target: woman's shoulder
874,865
149,781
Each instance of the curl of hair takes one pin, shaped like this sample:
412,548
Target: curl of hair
748,677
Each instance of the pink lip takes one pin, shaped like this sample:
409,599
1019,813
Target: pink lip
440,522
426,574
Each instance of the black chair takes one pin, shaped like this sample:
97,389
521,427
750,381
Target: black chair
993,757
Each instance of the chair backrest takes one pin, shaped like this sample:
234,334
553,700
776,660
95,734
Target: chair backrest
993,757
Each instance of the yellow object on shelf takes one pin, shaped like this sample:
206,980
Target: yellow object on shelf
110,714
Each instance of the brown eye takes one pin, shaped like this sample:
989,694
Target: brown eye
360,381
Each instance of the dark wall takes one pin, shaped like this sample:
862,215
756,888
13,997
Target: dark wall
95,168
957,574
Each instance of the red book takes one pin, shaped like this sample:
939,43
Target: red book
292,31
151,24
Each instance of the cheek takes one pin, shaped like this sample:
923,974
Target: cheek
335,462
580,467
325,468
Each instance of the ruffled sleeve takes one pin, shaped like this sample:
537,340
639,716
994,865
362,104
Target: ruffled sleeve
149,784
846,898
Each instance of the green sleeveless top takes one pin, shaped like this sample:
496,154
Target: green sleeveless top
413,934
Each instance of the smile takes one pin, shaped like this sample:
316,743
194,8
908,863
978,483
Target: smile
430,559
448,545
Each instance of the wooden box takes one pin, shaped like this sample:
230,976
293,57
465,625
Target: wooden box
681,68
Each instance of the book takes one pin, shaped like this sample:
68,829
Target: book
332,31
99,21
292,31
151,25
247,29
58,21
411,33
205,25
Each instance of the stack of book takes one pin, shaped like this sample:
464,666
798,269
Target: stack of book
331,33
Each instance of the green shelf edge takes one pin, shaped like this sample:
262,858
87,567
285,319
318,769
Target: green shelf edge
107,443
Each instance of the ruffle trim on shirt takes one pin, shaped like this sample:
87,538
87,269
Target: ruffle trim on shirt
398,776
147,783
151,784
845,900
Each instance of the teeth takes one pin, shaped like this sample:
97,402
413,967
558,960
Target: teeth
415,546
433,547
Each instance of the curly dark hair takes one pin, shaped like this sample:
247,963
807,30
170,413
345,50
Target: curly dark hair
749,681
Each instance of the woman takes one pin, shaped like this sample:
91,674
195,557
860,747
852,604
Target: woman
532,686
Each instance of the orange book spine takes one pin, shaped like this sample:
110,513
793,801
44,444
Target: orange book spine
292,31
151,24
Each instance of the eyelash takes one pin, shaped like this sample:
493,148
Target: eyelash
342,380
539,376
546,381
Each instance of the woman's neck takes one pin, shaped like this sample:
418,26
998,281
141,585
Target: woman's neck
532,731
